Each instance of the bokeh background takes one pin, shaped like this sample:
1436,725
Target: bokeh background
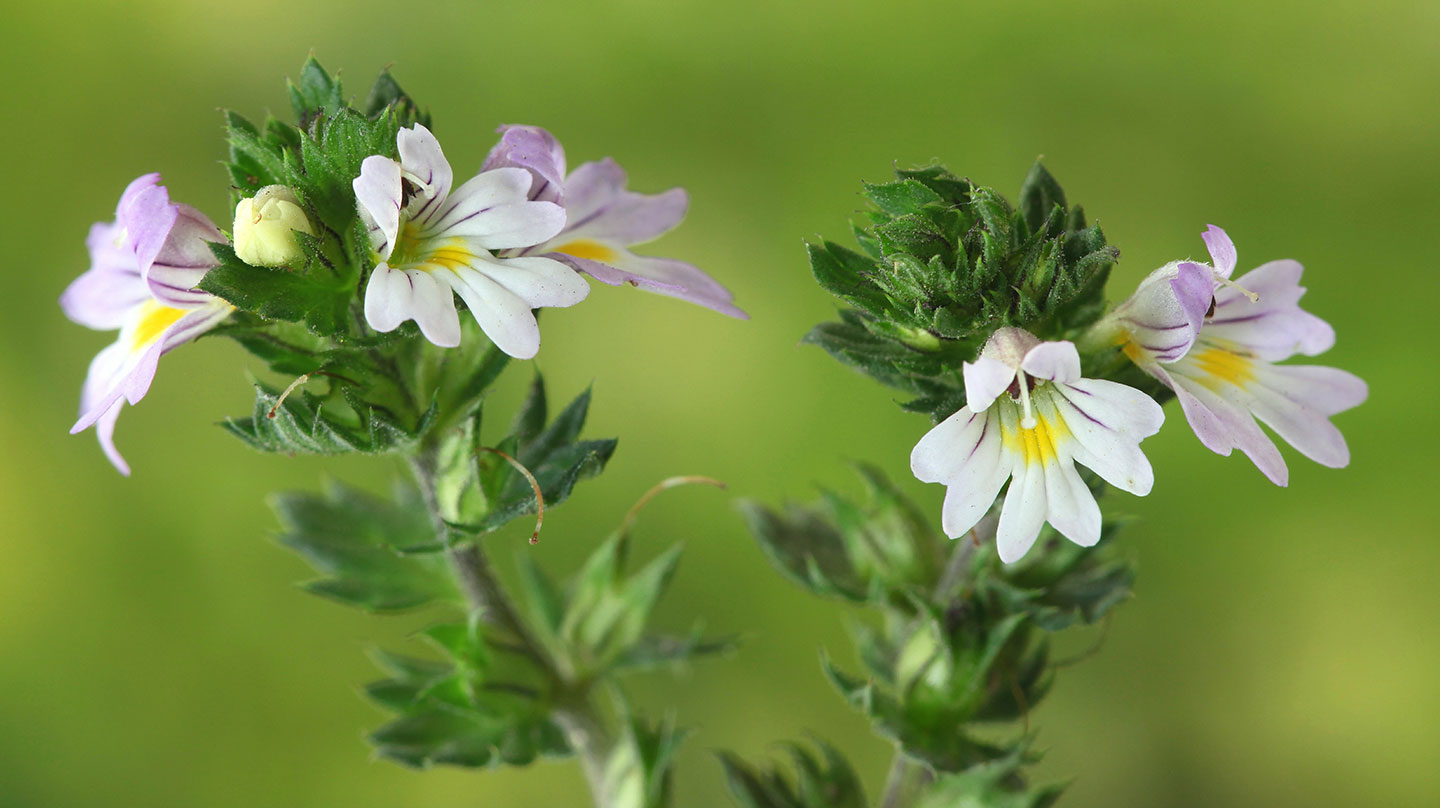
1282,648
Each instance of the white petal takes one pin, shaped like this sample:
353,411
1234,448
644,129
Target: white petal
378,190
433,307
1071,508
538,281
1056,361
985,379
504,317
422,159
503,226
1107,421
394,296
1023,514
964,452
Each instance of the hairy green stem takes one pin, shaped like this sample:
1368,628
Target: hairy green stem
582,723
907,777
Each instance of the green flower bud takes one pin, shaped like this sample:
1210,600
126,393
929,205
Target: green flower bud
265,227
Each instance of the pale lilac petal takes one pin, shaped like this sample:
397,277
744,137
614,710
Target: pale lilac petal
538,281
504,317
105,433
1297,400
1107,421
1167,310
985,380
1023,513
1056,361
112,287
147,217
135,188
1275,327
536,151
664,276
600,207
422,161
964,453
183,259
1223,424
1222,250
491,210
378,191
1070,507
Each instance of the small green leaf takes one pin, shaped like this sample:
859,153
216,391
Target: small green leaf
317,92
1039,197
349,537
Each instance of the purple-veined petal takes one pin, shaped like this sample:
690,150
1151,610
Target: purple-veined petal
985,379
1223,423
147,217
422,161
378,191
105,295
491,210
1275,327
963,452
504,317
1070,507
1297,400
536,151
1056,361
1023,513
600,208
1107,421
1167,310
183,259
393,296
614,265
537,280
1222,250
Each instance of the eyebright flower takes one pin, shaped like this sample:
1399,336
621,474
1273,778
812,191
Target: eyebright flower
1030,417
604,220
265,227
1224,378
144,269
434,241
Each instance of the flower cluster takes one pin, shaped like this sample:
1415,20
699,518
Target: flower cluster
521,234
1030,416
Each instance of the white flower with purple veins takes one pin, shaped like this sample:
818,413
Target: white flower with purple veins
1224,378
144,269
1030,418
604,220
434,241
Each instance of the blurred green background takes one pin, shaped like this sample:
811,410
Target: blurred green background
1282,648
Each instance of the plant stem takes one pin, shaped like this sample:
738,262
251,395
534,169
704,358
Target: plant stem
583,726
907,777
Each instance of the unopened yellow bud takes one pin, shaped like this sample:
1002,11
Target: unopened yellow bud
265,227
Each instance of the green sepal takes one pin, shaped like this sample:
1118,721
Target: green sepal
640,769
386,94
350,537
994,784
318,299
824,781
316,93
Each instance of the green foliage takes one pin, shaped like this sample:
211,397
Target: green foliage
827,781
943,263
639,771
481,491
961,639
881,549
358,543
482,704
996,784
